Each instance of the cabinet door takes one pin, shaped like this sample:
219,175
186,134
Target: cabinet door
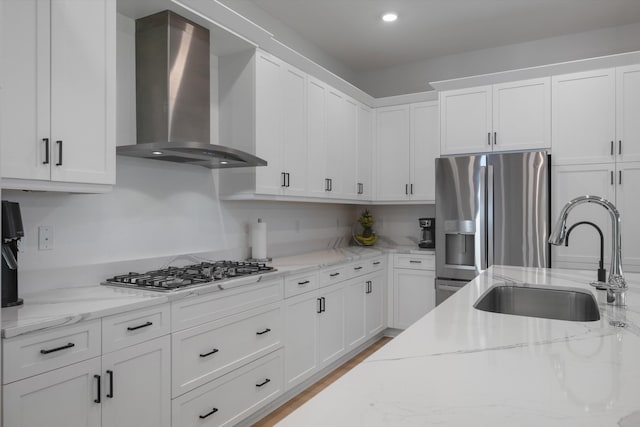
83,60
393,152
65,397
316,137
465,120
269,124
354,315
295,131
331,325
425,148
413,295
578,180
583,117
627,113
25,100
349,151
365,152
628,204
301,338
374,304
336,142
522,115
136,385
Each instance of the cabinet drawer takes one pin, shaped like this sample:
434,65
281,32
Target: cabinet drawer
358,269
206,352
195,311
378,263
124,330
416,262
233,397
300,284
32,354
333,275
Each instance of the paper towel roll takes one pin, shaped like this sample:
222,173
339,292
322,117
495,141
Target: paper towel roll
259,240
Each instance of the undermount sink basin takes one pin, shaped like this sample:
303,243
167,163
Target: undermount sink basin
549,303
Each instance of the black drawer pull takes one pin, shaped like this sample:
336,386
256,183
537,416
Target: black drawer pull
263,332
263,382
413,261
135,328
376,263
303,283
334,274
110,394
213,411
214,351
46,151
357,268
53,350
97,399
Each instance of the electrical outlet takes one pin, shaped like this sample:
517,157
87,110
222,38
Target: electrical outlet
45,237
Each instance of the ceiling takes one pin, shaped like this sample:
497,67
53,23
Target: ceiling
352,32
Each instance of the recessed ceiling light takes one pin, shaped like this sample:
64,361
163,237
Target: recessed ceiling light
157,153
224,162
389,17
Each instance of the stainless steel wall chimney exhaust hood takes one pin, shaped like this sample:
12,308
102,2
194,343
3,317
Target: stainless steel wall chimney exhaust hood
173,96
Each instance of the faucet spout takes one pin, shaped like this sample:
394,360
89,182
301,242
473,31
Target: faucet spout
616,283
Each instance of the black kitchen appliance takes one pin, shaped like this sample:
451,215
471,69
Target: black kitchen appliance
428,226
12,232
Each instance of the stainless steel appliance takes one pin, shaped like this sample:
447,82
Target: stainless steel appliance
175,278
12,232
428,238
173,96
491,209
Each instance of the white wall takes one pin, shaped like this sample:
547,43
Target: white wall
414,77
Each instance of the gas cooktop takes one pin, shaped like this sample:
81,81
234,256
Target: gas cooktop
174,278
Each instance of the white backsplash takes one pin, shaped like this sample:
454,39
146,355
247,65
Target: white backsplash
398,225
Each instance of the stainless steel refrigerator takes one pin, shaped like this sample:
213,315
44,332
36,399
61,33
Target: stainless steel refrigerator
490,209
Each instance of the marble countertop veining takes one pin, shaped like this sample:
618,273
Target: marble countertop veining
459,366
59,307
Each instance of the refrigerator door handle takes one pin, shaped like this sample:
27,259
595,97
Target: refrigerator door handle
482,232
490,234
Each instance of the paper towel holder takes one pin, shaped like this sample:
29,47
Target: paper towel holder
252,258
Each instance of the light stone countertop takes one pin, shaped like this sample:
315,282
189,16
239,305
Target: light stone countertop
59,307
459,366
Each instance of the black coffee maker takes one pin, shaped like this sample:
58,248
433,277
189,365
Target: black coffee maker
12,232
428,227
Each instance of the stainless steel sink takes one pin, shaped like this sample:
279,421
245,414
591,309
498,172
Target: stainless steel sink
549,303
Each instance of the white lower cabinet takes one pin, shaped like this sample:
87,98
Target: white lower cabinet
232,397
65,397
364,299
301,337
413,288
136,385
374,303
331,324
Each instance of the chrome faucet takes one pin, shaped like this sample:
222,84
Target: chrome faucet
616,285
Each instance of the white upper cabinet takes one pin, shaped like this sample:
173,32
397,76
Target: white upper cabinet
365,153
393,153
501,117
627,113
522,115
584,117
465,120
316,137
58,103
294,138
407,145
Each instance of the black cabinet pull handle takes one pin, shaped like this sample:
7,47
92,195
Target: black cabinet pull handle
411,189
213,411
110,394
46,151
406,189
611,177
376,262
263,332
330,184
266,381
284,179
303,282
97,399
612,148
53,350
135,328
619,177
324,304
488,138
319,305
288,179
619,146
214,351
413,261
495,138
357,268
334,274
326,184
59,153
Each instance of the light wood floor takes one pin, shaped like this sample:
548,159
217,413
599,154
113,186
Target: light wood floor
274,417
